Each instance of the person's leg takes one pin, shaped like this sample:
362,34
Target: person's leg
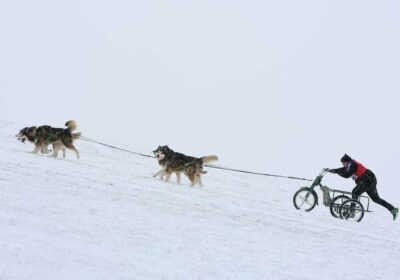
358,190
373,194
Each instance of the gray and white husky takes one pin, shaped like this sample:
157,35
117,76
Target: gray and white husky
173,162
43,136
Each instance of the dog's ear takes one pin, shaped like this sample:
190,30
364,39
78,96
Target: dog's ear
164,148
30,134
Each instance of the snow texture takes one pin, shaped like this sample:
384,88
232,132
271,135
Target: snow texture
105,217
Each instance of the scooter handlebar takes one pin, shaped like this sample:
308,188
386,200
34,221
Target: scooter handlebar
324,171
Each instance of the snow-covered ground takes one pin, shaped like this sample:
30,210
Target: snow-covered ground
105,217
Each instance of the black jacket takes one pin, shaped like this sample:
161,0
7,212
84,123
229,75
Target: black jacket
346,172
350,170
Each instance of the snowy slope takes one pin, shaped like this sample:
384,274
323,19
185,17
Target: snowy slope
105,217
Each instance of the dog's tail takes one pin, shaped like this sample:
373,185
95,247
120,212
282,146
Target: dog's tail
76,135
208,159
72,125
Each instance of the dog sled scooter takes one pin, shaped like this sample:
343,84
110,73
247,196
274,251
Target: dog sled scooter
340,202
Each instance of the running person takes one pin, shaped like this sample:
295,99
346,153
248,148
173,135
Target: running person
365,180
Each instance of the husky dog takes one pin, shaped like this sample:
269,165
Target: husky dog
42,136
173,162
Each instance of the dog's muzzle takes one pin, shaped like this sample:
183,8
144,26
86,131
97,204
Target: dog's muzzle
159,156
21,138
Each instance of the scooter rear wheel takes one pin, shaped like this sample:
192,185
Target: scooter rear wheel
336,203
352,210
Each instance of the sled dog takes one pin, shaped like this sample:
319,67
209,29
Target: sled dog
43,136
173,162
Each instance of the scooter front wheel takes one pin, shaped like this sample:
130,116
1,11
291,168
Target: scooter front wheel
305,199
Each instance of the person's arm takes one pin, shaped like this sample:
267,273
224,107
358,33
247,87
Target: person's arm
344,172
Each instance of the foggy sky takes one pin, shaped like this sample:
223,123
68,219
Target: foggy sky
283,87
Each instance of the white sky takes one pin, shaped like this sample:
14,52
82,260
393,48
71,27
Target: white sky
283,87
